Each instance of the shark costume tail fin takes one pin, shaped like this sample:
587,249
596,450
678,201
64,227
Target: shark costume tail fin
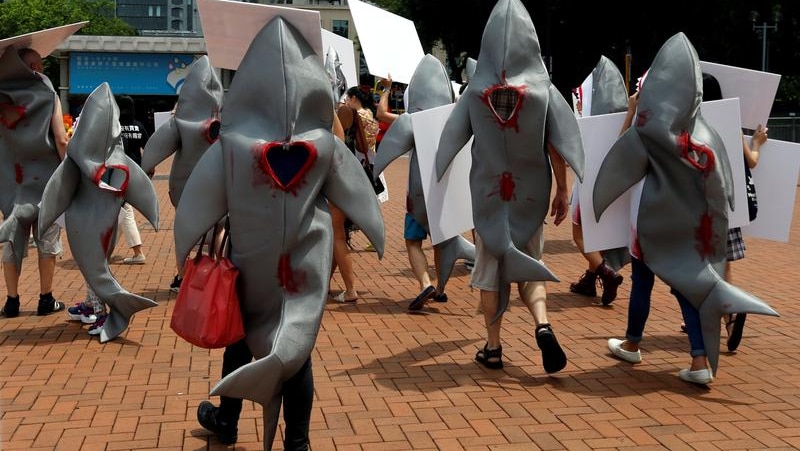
516,266
124,305
725,299
448,251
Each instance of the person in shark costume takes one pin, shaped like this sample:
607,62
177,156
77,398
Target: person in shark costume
189,131
89,188
522,125
333,67
271,173
429,87
32,145
609,95
681,223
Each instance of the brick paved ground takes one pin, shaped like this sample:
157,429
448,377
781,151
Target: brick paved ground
389,380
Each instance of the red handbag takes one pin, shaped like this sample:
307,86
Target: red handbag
207,312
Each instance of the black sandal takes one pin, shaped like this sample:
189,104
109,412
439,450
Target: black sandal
735,337
490,358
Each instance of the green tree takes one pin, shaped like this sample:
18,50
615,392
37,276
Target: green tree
25,16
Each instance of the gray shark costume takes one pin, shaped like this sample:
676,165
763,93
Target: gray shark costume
682,220
89,187
271,171
429,87
511,176
333,67
29,154
191,130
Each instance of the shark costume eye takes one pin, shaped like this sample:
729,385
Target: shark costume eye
210,130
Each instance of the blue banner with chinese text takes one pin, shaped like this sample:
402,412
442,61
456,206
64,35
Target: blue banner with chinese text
129,73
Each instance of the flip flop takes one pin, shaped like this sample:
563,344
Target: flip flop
340,299
736,334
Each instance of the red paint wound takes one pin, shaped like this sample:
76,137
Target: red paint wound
507,186
642,117
704,235
18,173
286,275
11,114
694,152
514,93
105,239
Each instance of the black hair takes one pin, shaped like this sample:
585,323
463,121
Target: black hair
711,88
127,111
366,100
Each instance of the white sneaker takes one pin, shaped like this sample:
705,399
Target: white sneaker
701,377
135,260
615,346
88,318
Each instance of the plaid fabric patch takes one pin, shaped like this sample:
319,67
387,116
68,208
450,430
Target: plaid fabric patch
736,246
504,100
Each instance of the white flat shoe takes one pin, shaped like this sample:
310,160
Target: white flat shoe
701,377
615,346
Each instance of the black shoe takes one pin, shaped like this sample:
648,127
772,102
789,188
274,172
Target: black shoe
11,309
440,297
611,280
490,358
207,416
419,301
553,357
586,285
175,286
48,305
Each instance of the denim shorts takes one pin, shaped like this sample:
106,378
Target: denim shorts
413,230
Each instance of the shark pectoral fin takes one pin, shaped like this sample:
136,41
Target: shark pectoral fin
58,193
163,143
563,132
123,306
349,188
725,299
203,202
141,194
456,133
259,381
624,165
448,252
398,140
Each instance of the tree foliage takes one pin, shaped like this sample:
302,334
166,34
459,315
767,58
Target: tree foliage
26,16
574,34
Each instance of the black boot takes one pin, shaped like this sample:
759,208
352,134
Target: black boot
586,285
11,309
611,280
48,305
208,416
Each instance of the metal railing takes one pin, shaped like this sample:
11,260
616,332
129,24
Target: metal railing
784,128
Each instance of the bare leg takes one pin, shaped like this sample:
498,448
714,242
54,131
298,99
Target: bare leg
11,276
534,295
593,258
418,262
490,301
341,254
47,268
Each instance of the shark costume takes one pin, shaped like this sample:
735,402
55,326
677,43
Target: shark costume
681,223
333,67
191,130
510,178
89,187
272,171
29,154
429,87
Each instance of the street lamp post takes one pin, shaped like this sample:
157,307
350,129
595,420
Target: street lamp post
762,29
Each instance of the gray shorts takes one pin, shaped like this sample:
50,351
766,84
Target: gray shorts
48,244
484,274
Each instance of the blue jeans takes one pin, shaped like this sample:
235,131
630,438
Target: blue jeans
642,281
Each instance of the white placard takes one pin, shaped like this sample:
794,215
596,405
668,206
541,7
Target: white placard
230,26
775,177
755,90
584,97
347,57
448,201
600,132
390,42
160,118
44,41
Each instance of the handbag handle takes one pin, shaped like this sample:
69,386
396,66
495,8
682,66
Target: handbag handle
215,250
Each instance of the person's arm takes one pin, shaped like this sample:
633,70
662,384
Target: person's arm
338,130
384,114
57,127
560,205
633,101
752,150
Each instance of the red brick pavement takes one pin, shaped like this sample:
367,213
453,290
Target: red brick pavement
389,380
